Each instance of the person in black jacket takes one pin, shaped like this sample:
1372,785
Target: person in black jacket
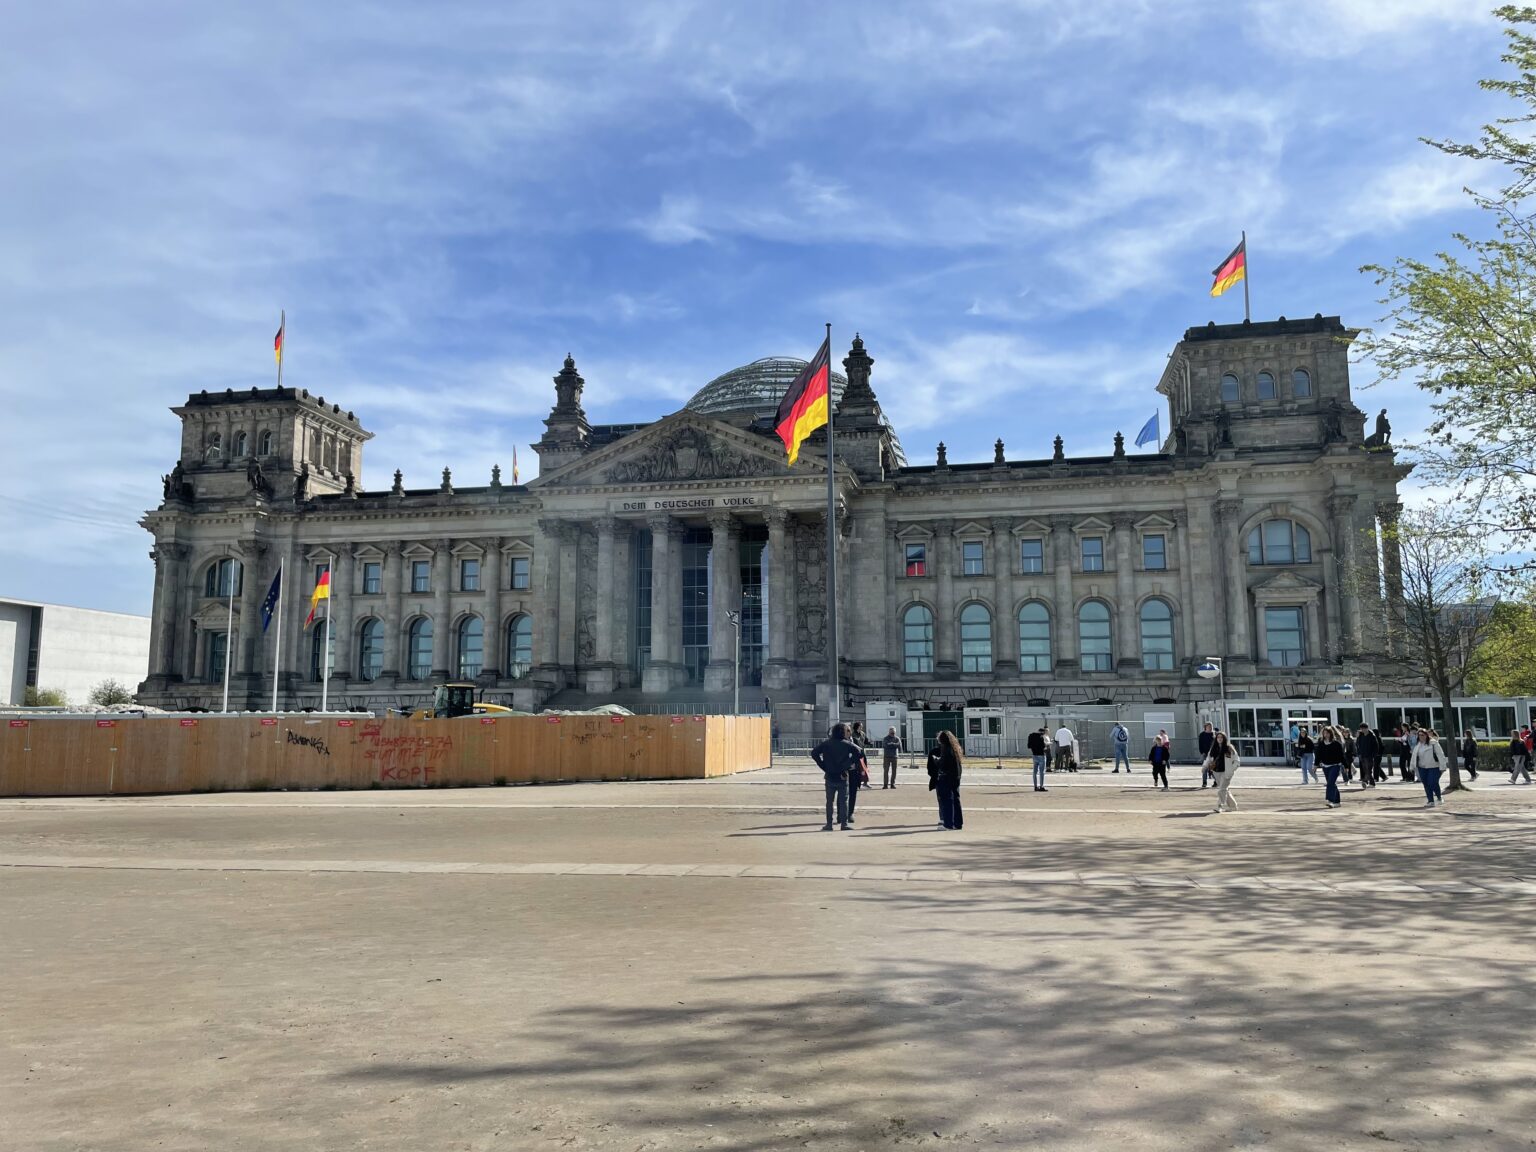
1349,754
944,765
858,777
1306,752
1207,738
1158,756
1368,752
1469,754
1330,753
836,756
1037,751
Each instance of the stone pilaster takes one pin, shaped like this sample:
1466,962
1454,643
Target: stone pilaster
724,598
392,573
1187,610
666,603
252,592
341,622
1064,618
1005,624
546,600
1233,570
781,601
603,678
1128,650
945,627
1388,512
491,581
444,658
570,609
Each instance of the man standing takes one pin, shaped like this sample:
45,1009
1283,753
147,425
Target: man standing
836,756
1120,738
1037,751
1207,738
1368,752
1064,740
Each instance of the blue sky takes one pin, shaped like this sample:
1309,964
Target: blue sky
1017,202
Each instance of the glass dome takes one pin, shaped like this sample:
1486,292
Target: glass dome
755,390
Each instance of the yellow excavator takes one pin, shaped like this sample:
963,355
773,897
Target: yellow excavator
450,701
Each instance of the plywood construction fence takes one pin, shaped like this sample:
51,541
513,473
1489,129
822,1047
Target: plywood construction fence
91,756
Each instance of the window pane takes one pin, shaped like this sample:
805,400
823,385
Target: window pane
218,647
1303,545
1154,553
1266,386
1229,389
1034,638
469,575
917,560
315,645
419,655
975,639
971,556
1093,637
471,647
917,639
1301,384
421,575
1277,542
520,568
1032,556
1156,635
1282,636
370,652
373,578
519,646
1255,548
1093,554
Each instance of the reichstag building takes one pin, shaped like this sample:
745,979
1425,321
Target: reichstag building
624,570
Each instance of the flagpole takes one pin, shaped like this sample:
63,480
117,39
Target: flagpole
325,648
277,659
834,688
282,329
1247,313
229,634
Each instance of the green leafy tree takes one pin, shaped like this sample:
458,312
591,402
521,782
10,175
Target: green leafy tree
44,698
110,692
1507,664
1462,325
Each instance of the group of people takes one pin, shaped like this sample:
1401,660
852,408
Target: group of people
845,768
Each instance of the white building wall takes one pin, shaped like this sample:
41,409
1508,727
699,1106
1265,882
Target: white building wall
15,624
80,647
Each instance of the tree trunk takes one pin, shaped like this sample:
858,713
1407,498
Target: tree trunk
1452,744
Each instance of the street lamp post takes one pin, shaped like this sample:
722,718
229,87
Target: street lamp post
1214,668
735,619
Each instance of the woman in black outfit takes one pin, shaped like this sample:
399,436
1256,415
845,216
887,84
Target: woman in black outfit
944,764
1469,754
1330,754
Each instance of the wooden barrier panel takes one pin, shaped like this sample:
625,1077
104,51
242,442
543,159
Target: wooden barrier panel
90,756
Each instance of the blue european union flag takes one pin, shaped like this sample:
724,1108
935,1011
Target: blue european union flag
1148,433
269,605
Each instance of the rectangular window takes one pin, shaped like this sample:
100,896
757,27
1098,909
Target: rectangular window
421,575
1093,553
1031,555
972,560
917,640
319,572
1277,542
697,566
917,559
520,571
469,575
373,577
218,646
1283,637
1154,553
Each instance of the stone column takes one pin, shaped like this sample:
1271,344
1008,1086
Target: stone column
546,600
392,573
1206,573
298,581
1233,571
781,579
666,602
160,555
570,610
491,580
603,678
341,623
171,575
945,626
1127,620
724,598
1064,615
1005,625
1188,613
444,664
252,592
1388,511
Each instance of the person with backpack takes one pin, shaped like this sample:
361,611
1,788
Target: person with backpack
1120,740
944,765
1223,763
1207,738
1037,751
1158,755
1469,754
1429,762
837,756
891,746
1330,753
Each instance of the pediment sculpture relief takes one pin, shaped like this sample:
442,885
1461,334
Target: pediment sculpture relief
689,454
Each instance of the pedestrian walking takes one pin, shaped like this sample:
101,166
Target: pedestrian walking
1207,738
1349,753
1368,750
1120,740
944,765
837,756
892,747
1469,754
1405,744
1305,751
1064,742
1223,763
1330,754
1428,763
1037,751
1158,756
1519,760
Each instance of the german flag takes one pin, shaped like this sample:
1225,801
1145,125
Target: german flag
804,407
277,341
1232,269
322,592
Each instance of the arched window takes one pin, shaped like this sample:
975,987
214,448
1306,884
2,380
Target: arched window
370,649
223,578
519,646
1157,635
975,638
419,649
471,647
264,444
322,640
1231,391
1093,637
1279,542
917,639
1301,384
241,444
1266,389
1034,638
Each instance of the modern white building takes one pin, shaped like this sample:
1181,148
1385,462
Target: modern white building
69,649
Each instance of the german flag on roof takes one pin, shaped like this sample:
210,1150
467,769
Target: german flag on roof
1232,269
804,407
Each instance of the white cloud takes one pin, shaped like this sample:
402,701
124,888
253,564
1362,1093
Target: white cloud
1337,28
676,221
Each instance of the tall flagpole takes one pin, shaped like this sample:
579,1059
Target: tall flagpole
1247,314
282,330
229,634
834,687
325,648
277,659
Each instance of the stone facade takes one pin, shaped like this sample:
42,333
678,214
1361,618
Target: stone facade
1063,579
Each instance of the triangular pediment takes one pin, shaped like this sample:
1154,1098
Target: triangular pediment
678,449
1283,582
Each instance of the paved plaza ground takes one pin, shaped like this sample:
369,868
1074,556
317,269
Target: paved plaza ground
669,966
